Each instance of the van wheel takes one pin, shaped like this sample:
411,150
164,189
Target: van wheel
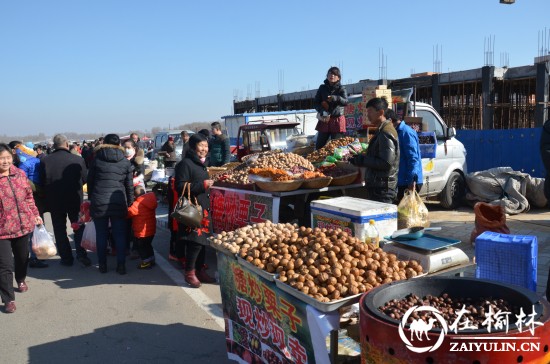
453,192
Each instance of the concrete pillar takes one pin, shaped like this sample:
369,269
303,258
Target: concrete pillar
541,93
436,93
488,96
280,102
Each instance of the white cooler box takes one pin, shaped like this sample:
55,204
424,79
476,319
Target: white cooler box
353,214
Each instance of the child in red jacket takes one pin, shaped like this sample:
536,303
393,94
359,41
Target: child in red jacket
144,225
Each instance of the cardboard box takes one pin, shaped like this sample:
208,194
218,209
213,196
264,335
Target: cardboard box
414,122
371,93
353,214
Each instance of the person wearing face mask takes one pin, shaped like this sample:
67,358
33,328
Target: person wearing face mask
131,152
192,169
330,99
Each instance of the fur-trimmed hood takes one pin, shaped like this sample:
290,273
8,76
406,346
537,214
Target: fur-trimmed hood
109,153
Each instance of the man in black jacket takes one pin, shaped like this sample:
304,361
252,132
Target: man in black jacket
220,152
62,175
382,158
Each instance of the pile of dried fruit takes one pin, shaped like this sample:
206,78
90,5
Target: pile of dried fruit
320,154
272,173
274,159
312,175
338,170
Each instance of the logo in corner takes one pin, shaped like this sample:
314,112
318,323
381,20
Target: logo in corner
419,329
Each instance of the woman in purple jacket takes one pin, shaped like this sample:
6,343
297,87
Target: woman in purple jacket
18,216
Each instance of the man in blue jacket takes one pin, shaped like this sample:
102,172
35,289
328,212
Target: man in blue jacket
409,175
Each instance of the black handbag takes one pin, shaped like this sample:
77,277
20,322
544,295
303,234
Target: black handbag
185,212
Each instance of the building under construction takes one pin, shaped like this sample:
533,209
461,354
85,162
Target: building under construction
485,98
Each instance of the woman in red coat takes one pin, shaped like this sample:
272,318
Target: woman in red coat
18,216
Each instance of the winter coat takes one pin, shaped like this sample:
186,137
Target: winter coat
110,183
17,209
62,175
143,214
220,152
382,158
335,107
410,160
137,161
191,169
31,167
171,150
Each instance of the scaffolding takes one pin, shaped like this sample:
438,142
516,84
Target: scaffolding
509,99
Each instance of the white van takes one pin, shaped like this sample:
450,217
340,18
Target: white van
443,175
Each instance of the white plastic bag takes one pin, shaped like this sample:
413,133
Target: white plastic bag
89,237
42,243
411,211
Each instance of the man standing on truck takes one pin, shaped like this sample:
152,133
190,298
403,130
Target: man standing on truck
382,158
410,161
220,153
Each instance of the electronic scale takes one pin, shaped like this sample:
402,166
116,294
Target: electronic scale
433,253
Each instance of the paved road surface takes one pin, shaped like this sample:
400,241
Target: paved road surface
77,315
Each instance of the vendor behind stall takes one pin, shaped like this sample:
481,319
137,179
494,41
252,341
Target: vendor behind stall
382,158
168,150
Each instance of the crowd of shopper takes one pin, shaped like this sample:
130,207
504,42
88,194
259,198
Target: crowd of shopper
51,178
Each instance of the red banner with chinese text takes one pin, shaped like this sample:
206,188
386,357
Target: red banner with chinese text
233,209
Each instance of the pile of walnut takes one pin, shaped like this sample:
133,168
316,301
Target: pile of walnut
324,264
280,160
321,154
251,235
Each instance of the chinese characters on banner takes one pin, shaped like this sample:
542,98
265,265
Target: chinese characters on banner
263,323
234,209
353,112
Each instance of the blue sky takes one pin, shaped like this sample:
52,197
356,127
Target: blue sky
116,65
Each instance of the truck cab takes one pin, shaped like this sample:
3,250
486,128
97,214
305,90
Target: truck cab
443,171
261,137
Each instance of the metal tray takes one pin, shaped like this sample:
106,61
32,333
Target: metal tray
321,306
221,250
428,242
262,273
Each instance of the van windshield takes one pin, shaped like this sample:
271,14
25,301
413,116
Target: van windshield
431,123
277,137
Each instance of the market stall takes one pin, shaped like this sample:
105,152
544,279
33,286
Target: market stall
254,190
283,285
234,207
